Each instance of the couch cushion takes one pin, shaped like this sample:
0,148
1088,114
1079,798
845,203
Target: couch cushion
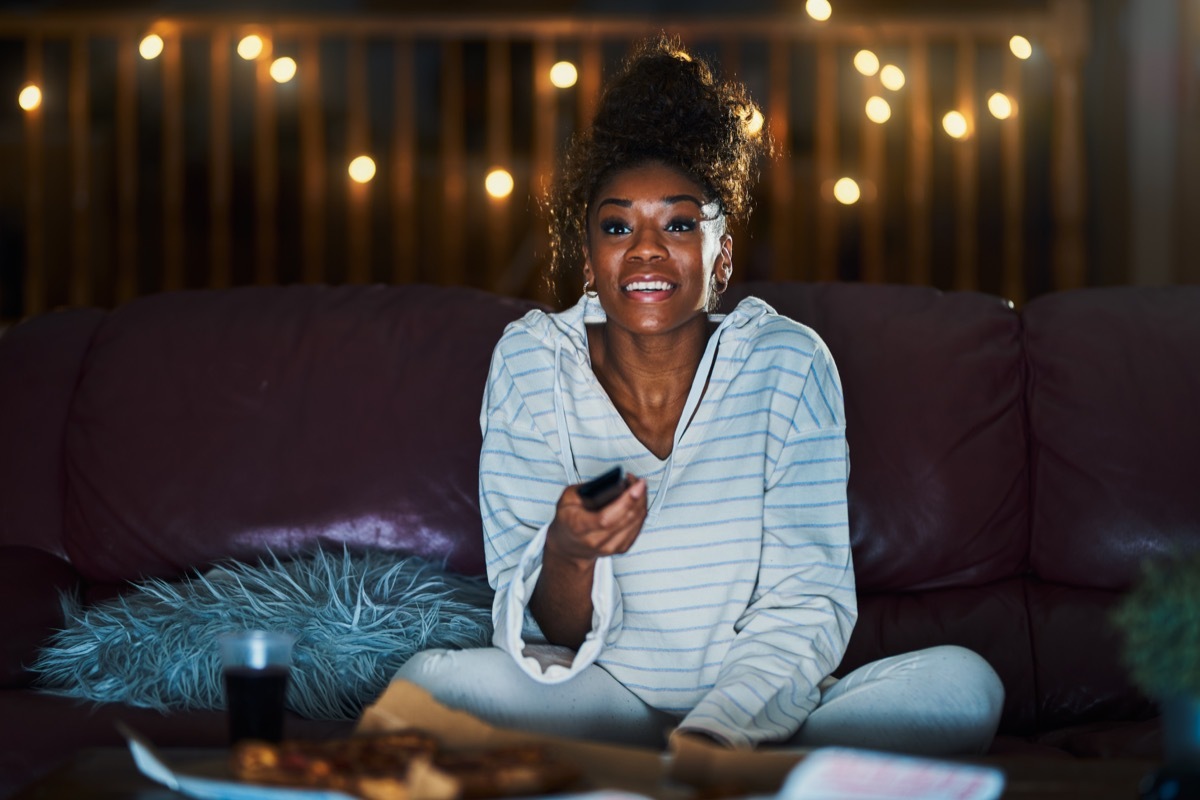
1114,388
932,382
218,424
1078,670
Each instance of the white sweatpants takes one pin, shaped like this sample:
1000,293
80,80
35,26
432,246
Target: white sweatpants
940,701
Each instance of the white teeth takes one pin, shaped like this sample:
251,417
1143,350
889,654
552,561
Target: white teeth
647,286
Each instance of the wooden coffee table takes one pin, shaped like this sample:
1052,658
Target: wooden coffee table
110,774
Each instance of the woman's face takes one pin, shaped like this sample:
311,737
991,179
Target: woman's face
654,242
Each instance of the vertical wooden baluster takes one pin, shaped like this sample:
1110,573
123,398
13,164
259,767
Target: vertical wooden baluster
545,123
312,163
404,159
1067,48
79,285
966,173
1012,176
454,181
173,174
358,207
35,185
266,170
731,57
499,154
873,193
127,168
826,139
1188,208
920,166
784,264
590,76
220,163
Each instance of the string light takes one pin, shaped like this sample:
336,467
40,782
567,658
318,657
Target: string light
846,191
892,77
250,47
564,75
820,10
30,97
866,62
498,183
955,124
283,69
151,46
362,169
1000,105
878,110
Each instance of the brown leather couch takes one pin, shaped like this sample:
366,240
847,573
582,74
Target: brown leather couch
1008,471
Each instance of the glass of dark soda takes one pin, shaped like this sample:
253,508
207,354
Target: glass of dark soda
256,666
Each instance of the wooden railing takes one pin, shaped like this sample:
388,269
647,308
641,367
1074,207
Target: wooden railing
197,169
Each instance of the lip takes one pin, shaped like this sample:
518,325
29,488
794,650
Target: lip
665,289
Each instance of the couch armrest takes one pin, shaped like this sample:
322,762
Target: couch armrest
31,581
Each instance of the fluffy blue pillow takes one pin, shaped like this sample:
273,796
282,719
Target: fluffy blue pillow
356,617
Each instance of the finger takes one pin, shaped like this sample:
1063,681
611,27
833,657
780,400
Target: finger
630,500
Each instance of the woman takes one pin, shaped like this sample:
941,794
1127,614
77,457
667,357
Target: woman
715,596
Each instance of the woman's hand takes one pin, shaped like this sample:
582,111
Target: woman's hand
580,536
562,599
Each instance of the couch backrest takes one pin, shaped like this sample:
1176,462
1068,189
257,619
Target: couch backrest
1114,414
205,425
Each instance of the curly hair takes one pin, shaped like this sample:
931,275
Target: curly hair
665,105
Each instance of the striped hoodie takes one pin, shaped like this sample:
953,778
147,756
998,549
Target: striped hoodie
737,598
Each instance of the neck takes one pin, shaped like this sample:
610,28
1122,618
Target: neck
651,371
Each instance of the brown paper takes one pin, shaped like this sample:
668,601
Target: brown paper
604,766
695,769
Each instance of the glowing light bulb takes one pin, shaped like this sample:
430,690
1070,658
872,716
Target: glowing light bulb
1000,106
1020,47
754,124
250,47
151,47
820,10
846,191
564,75
866,62
878,110
892,77
362,169
283,69
955,124
498,183
30,97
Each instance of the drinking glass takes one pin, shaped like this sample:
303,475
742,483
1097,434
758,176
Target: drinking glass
256,665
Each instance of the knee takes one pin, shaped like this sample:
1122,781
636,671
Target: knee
971,671
429,669
977,691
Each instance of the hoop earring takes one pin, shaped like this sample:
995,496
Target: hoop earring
589,293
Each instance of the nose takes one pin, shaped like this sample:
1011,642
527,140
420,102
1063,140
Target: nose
646,244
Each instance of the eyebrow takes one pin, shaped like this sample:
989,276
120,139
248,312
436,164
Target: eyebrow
668,200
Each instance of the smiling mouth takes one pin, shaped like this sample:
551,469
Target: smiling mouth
648,286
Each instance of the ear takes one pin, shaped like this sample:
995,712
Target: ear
587,265
723,268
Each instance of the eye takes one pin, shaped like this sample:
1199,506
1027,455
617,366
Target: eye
614,227
681,225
